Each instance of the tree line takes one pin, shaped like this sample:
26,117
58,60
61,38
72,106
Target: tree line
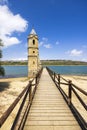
62,62
2,72
46,62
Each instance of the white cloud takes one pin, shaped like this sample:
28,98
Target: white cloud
41,43
45,39
19,59
8,41
75,52
45,43
10,23
47,46
57,42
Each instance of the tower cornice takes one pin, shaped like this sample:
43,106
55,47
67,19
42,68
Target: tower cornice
32,55
32,36
33,47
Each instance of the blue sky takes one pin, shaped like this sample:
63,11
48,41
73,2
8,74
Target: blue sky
61,26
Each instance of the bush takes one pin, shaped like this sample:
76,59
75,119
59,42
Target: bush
2,72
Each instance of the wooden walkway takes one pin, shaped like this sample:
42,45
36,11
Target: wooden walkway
49,111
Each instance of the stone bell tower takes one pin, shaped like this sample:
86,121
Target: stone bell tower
33,53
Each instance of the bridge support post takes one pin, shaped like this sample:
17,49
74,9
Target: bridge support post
59,80
54,76
30,92
69,92
36,82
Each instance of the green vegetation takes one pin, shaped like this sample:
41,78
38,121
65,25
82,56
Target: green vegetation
14,62
46,62
62,62
2,72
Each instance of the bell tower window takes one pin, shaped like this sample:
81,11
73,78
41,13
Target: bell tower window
33,42
33,62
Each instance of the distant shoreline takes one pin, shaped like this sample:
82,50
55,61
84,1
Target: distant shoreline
45,62
14,65
63,65
46,65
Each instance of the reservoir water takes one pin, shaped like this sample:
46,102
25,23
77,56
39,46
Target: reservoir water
22,71
70,70
15,71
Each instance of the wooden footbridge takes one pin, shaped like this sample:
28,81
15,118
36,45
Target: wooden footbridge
45,106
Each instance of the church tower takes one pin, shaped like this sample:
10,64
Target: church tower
33,53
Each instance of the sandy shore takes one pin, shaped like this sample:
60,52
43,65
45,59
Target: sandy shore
11,88
80,81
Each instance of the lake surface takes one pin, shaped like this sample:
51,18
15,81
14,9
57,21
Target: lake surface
70,70
16,71
22,71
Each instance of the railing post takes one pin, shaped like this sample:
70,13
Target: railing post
36,82
30,92
59,80
54,76
69,92
36,79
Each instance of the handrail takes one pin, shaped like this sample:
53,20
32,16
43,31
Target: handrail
10,109
68,98
27,91
81,90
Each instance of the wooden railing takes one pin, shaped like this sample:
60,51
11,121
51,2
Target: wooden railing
26,96
68,96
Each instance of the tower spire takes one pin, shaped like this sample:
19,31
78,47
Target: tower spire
33,32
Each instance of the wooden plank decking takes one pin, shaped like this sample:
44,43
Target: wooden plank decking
49,111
